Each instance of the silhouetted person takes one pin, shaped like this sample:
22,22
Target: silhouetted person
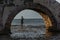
22,21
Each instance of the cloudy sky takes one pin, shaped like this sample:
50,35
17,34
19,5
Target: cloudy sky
58,1
29,14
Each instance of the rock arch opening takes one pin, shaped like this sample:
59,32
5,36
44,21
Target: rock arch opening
44,12
44,17
32,23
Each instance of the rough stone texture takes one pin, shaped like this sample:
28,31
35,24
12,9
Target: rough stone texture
52,5
4,37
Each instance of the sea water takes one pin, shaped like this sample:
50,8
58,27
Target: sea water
34,23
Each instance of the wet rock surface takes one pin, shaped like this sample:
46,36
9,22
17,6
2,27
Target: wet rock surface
54,37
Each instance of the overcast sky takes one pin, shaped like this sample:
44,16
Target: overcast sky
29,14
58,1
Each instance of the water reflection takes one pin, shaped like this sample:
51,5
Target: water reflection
33,28
32,32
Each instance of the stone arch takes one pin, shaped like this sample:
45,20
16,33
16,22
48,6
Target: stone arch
33,6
